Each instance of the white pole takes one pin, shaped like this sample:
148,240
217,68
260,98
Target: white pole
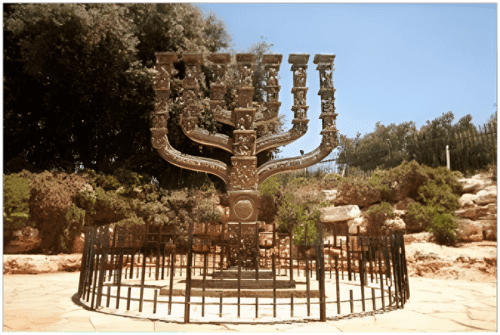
448,157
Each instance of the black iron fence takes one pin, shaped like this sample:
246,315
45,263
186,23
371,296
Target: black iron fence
214,273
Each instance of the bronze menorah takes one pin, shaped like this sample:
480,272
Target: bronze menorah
243,176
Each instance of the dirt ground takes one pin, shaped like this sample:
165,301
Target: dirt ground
475,261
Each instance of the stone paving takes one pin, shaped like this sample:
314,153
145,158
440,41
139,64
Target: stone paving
47,302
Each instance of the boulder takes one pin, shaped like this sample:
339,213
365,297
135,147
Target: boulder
489,229
474,184
330,195
360,196
472,213
492,208
341,213
488,217
467,200
399,212
394,224
403,204
353,225
419,237
490,235
469,231
486,196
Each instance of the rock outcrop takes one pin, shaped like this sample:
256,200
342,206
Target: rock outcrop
340,213
31,264
478,212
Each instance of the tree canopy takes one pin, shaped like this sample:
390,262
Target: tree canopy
78,83
387,146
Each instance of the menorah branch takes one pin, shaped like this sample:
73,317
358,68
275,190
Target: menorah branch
161,143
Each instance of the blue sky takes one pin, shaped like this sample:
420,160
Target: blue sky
395,62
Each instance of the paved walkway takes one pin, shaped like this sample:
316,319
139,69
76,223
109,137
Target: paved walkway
45,302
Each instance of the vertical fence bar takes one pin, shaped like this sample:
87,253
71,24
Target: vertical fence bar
187,305
274,284
155,301
388,275
163,261
112,254
182,258
351,300
390,296
143,277
257,254
128,297
407,281
108,296
395,272
119,280
220,304
341,259
362,279
337,284
321,274
256,307
373,299
308,288
204,284
381,281
291,304
213,261
95,280
83,265
102,274
92,262
370,258
132,261
349,275
171,283
126,269
158,244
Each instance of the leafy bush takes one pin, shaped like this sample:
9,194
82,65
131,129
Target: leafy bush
435,210
439,196
444,227
418,215
51,208
16,194
306,217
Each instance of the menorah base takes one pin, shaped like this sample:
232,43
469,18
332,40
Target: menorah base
243,206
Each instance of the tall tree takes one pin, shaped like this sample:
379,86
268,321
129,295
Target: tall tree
78,81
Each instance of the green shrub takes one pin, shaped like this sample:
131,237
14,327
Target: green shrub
443,226
439,196
418,215
306,217
435,211
16,194
51,208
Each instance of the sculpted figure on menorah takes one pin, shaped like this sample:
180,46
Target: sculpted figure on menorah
243,175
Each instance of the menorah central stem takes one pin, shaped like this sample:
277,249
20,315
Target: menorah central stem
243,176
